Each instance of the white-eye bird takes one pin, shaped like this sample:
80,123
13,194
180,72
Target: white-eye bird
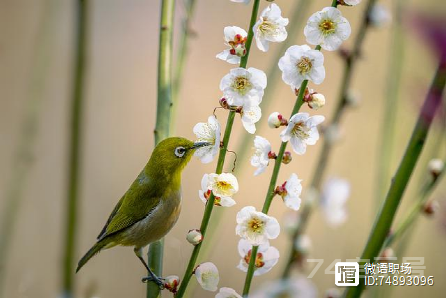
151,206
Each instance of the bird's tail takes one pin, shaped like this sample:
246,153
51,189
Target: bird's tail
93,251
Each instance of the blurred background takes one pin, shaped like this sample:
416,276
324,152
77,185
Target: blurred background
36,66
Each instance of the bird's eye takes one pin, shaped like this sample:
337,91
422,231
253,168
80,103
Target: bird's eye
179,151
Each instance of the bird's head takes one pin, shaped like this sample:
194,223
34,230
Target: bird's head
173,154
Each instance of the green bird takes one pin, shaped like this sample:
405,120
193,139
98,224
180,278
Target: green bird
151,206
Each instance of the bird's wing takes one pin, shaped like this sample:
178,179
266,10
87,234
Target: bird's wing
115,210
134,206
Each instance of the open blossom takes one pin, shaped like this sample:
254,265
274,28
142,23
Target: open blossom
290,192
294,287
302,131
235,38
260,159
334,196
207,276
255,226
302,63
267,257
327,28
241,86
227,293
208,184
223,185
208,132
251,114
270,27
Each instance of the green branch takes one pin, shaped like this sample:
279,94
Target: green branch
387,213
220,163
75,146
163,110
327,145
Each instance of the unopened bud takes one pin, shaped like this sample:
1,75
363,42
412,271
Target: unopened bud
317,101
275,120
431,207
379,16
171,283
303,244
224,103
435,167
194,237
287,158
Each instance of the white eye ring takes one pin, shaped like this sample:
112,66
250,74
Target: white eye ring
180,151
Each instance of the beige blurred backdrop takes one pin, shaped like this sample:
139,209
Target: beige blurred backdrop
118,124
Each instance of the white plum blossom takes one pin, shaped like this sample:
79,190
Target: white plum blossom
302,63
251,114
235,38
260,159
302,131
317,101
227,293
207,276
379,15
291,191
327,28
255,226
275,120
294,287
267,257
208,183
208,132
270,27
243,86
333,199
352,2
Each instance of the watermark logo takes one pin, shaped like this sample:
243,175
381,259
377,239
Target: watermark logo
346,274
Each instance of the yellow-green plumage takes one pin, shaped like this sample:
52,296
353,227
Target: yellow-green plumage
151,206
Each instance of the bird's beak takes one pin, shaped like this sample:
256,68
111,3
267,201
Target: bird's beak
200,144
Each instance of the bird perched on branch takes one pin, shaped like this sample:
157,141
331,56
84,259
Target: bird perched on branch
151,206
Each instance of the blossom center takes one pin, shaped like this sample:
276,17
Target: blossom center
259,263
267,27
242,85
327,27
300,130
224,186
304,65
256,225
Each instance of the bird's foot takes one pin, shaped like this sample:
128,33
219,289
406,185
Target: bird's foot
159,281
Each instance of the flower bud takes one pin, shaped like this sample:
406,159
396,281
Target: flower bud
431,207
436,166
171,283
286,159
275,120
224,103
379,16
303,244
194,237
317,101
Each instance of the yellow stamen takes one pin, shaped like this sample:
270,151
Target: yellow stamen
304,65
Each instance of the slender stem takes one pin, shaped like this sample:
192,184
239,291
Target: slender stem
75,147
208,209
23,159
272,184
386,143
411,216
327,145
273,74
183,50
385,217
220,163
163,110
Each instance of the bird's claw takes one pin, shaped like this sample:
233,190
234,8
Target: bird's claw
159,281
